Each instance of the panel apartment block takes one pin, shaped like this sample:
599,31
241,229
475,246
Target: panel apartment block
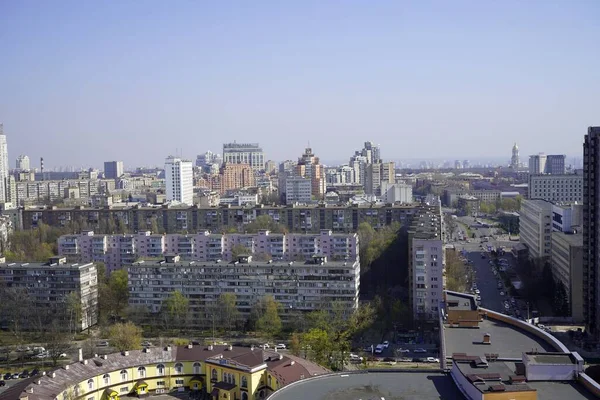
316,284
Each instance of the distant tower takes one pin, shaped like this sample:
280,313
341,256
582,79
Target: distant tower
3,164
514,160
42,167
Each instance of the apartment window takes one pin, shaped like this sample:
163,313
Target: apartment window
179,381
141,372
124,389
197,368
214,374
90,384
160,369
123,375
160,383
106,379
244,382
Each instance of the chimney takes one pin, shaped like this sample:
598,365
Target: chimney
125,353
52,374
252,348
293,362
38,381
95,355
281,356
104,357
210,347
80,354
146,350
30,389
230,347
66,367
84,362
189,346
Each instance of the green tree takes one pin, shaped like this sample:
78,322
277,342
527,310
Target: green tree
125,336
56,341
456,272
267,312
239,250
73,303
319,341
265,222
228,312
295,344
177,307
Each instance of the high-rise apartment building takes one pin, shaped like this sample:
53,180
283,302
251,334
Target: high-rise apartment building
372,152
3,164
298,190
310,167
113,169
535,226
236,176
537,164
591,230
244,153
23,163
553,164
377,173
179,180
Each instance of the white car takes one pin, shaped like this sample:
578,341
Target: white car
280,346
355,357
433,360
379,349
419,350
265,346
404,350
477,291
103,343
386,344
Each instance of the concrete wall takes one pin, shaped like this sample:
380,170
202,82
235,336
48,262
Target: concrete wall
550,372
463,384
591,385
557,344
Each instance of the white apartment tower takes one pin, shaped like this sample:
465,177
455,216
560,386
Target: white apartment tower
23,163
3,164
179,180
244,153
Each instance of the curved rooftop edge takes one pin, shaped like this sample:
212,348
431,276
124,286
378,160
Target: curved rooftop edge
373,383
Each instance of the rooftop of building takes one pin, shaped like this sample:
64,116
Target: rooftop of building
422,385
53,383
463,301
174,261
551,358
59,262
506,340
494,377
427,225
573,239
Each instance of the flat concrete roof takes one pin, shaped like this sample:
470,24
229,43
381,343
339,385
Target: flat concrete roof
374,385
503,369
556,358
507,341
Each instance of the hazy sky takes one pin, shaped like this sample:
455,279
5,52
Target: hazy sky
87,81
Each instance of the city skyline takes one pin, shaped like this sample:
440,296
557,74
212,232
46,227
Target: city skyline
403,76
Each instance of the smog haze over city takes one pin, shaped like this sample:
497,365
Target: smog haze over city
84,82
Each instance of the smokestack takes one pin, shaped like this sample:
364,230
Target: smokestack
42,167
80,354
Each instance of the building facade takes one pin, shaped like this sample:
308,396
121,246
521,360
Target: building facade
244,153
316,284
535,227
179,181
537,164
50,284
3,165
514,160
198,371
236,176
23,163
396,193
113,169
117,251
591,230
169,218
557,188
310,167
555,164
426,264
567,268
298,190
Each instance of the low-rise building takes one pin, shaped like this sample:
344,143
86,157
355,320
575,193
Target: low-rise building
468,205
215,371
317,284
50,284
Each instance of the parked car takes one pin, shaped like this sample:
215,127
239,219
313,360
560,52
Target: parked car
379,349
419,350
7,376
386,344
42,355
24,375
502,293
280,346
103,343
15,376
355,358
35,372
196,342
2,383
148,344
23,348
404,350
477,291
433,360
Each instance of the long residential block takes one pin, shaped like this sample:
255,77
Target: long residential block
117,251
316,284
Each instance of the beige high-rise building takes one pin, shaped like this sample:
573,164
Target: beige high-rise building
236,176
310,167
